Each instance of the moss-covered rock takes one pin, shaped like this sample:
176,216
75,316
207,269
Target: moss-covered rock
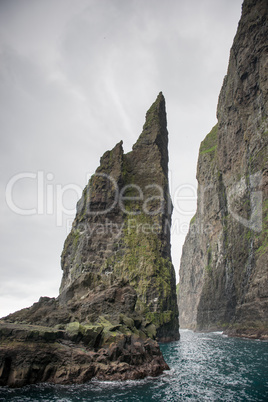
73,331
209,144
123,225
118,285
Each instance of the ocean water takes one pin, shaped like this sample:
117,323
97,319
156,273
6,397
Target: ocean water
204,367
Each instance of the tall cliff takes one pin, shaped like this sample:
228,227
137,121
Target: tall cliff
224,265
117,293
122,229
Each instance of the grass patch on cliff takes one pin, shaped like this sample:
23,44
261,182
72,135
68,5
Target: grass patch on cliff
192,221
177,289
209,144
71,240
146,270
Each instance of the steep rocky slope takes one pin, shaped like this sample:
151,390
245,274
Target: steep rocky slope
118,287
224,266
122,229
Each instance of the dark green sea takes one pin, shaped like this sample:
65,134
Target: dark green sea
204,367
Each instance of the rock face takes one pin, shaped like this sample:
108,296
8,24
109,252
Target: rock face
121,234
224,266
117,295
32,354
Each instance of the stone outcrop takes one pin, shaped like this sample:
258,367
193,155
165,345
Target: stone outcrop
121,233
224,265
32,354
117,295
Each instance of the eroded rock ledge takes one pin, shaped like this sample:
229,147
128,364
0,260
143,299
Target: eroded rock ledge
32,354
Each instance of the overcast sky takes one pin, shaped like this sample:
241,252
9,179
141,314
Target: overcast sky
76,77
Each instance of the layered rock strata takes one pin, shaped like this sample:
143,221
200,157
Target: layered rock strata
224,265
75,354
117,295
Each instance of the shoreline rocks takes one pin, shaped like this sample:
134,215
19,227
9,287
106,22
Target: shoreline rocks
30,355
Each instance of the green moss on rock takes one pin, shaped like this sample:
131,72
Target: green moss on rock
177,289
192,221
151,331
209,144
73,330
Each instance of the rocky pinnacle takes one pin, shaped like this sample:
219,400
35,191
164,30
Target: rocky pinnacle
122,227
117,295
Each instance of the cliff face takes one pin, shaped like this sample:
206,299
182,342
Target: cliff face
118,287
224,266
121,232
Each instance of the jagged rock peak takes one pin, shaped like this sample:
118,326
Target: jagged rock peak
155,124
128,192
118,292
114,155
155,131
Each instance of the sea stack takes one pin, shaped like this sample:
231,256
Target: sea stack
224,265
117,296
